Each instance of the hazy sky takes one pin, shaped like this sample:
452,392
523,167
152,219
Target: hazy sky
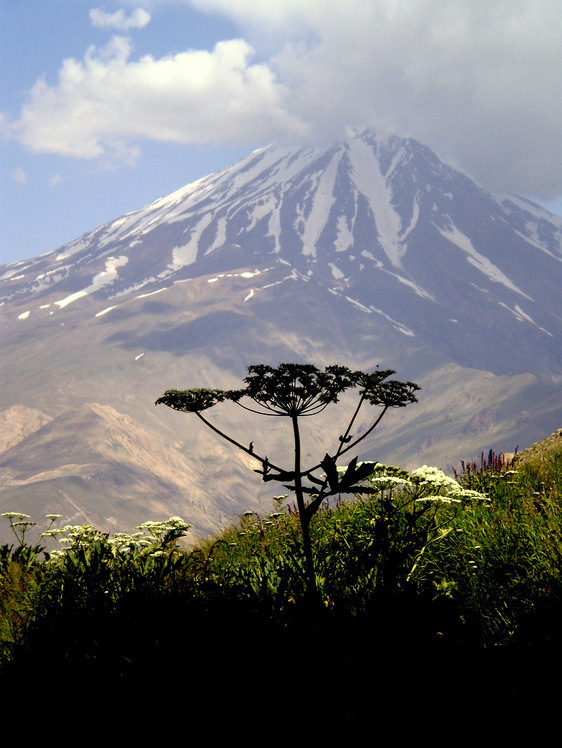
105,107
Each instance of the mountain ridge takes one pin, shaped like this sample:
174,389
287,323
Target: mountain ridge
368,252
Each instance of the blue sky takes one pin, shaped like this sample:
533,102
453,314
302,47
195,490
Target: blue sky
106,106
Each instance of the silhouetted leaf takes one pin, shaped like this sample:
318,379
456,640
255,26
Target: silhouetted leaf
191,401
329,466
279,476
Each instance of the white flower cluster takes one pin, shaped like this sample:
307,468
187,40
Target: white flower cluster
159,529
431,483
427,475
151,537
445,487
387,481
15,515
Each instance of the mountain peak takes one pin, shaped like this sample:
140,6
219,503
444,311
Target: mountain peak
365,251
374,218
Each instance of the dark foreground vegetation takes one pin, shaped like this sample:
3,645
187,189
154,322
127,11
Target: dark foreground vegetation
440,610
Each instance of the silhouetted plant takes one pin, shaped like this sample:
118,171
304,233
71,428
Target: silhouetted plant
297,391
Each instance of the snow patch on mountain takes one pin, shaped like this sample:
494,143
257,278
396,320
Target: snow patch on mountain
274,227
397,325
105,311
401,328
414,286
13,268
371,182
336,272
150,293
481,263
522,316
405,281
344,239
100,280
187,254
322,198
73,248
69,299
220,235
413,221
259,210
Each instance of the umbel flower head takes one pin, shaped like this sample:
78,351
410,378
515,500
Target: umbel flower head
379,390
297,390
192,401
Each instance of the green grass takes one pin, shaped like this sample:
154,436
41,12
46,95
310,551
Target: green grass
430,596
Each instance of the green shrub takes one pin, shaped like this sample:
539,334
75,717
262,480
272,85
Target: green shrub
422,558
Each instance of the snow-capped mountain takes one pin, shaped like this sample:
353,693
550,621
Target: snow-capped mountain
379,221
372,249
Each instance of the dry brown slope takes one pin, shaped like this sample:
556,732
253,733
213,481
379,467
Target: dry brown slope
542,450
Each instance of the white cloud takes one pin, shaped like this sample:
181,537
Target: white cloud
106,100
477,81
137,20
55,180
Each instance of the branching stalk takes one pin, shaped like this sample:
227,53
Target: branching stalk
298,391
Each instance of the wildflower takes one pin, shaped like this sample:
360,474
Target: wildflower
432,475
444,499
49,534
15,515
296,389
56,556
433,478
387,481
467,493
148,525
193,401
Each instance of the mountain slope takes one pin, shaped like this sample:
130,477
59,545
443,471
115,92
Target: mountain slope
369,252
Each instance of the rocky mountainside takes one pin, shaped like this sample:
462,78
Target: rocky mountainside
549,448
369,252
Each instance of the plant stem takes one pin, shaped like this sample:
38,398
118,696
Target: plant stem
304,518
249,451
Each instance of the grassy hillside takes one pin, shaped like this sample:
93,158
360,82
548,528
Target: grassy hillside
440,608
